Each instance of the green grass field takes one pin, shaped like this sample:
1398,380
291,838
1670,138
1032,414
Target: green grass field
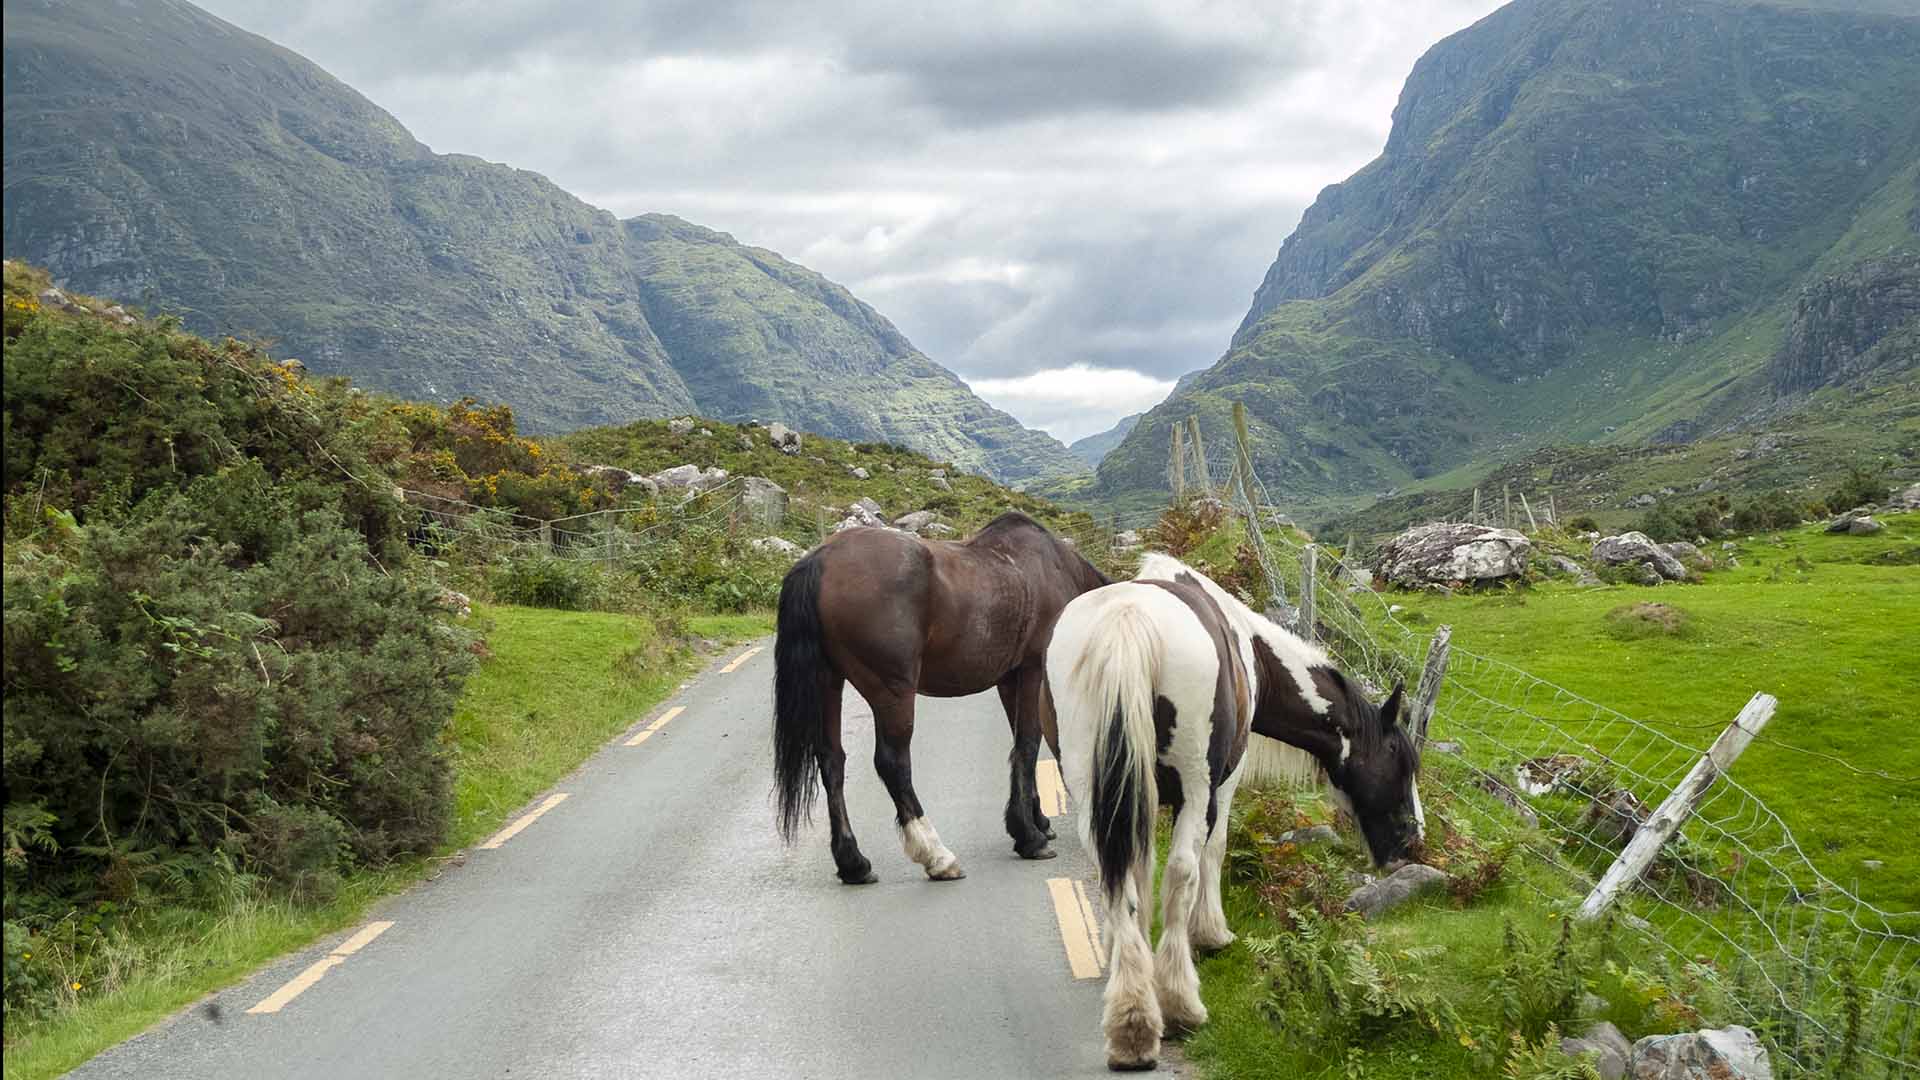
1823,622
557,686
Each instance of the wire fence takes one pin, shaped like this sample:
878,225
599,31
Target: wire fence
1733,900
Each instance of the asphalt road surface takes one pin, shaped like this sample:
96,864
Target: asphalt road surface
650,924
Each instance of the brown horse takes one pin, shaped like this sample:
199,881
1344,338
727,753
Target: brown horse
899,616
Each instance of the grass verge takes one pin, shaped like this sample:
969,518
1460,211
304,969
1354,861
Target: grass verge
557,686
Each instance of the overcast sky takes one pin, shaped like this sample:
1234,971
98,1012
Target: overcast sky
1069,205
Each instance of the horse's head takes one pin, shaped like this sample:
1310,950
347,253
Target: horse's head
1374,779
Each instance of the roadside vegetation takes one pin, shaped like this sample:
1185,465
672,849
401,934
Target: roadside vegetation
275,646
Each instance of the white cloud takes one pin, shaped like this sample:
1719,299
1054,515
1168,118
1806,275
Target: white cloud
1074,401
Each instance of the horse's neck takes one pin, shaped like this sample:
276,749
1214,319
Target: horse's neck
1282,712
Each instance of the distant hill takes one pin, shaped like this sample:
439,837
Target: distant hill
158,155
1094,447
1593,221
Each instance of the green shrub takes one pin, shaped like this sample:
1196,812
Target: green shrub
165,695
548,581
1582,523
1860,487
1766,512
1665,522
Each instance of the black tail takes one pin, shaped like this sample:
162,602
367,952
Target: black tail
798,663
1121,808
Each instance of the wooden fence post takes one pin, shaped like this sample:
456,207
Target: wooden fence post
1531,524
1177,465
546,536
1309,567
1475,515
1506,507
1553,516
1243,469
1667,819
1199,455
1427,695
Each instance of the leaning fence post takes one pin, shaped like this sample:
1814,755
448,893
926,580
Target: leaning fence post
1531,524
1666,820
1177,465
546,536
1309,564
1199,455
1475,515
1427,695
1506,506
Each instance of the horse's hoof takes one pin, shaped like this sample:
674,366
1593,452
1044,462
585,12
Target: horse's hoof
1051,835
1041,852
951,872
1137,1065
867,878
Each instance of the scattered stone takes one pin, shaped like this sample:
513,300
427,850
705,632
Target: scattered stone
680,426
765,501
457,602
1616,816
1123,541
1378,897
940,482
288,364
864,503
1863,526
1729,1053
916,521
616,479
1395,609
706,433
1309,836
1630,548
938,529
1728,545
1688,554
746,441
1641,501
58,300
784,439
860,473
1538,776
691,478
858,516
937,474
1453,551
1610,1051
778,545
1872,864
1908,499
1446,746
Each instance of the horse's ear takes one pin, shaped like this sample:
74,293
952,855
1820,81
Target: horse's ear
1390,710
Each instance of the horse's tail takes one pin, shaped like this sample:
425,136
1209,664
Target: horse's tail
799,661
1115,675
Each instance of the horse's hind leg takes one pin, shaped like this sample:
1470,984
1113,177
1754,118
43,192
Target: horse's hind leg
893,760
1130,1014
1020,695
1175,978
854,869
1210,930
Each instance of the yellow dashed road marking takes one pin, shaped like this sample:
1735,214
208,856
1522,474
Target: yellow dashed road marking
1053,790
300,983
738,660
527,819
641,736
1078,932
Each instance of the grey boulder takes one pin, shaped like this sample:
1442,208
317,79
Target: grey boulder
1378,897
764,500
1728,1053
1453,551
1630,548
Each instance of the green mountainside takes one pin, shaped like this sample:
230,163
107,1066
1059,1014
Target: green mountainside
158,155
1593,221
1094,447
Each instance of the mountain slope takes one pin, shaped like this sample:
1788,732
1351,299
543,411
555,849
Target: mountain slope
1593,219
1094,447
159,155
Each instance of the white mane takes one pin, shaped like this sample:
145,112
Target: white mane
1285,644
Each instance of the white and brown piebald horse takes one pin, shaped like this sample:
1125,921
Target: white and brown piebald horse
1157,683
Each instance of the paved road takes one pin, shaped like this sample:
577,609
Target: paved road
650,925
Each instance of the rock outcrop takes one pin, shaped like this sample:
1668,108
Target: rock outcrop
1449,552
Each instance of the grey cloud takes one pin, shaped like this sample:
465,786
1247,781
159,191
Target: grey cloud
1018,187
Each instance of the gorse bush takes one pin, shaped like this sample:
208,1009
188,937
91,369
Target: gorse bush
224,664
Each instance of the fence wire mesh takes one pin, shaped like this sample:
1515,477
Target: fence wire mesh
1733,900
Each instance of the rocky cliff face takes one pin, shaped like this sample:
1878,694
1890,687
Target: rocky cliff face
1840,323
1579,203
158,155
